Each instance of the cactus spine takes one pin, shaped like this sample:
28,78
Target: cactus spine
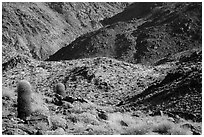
24,99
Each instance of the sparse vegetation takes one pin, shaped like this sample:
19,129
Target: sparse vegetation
8,93
163,127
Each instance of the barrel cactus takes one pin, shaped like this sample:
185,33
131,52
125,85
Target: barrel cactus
24,99
60,89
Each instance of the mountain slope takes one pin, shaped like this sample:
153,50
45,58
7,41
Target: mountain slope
179,93
113,97
167,28
141,74
38,29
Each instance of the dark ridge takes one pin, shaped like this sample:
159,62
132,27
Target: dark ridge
169,28
135,10
180,89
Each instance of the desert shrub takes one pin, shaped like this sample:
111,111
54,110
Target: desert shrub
7,93
77,109
24,99
170,128
58,121
41,125
120,122
58,131
140,129
101,129
79,127
38,105
60,89
72,117
180,131
163,127
88,118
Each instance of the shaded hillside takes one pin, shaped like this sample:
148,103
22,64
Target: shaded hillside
38,29
136,10
179,93
167,28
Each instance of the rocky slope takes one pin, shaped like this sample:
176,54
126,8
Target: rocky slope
112,96
158,30
38,30
120,95
180,92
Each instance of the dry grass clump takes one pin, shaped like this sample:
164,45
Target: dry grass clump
163,127
102,129
88,118
72,117
41,125
77,108
8,99
88,129
79,128
58,131
38,105
180,131
125,124
120,122
5,111
141,129
8,93
169,128
57,121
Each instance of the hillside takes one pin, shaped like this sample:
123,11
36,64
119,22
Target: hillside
112,97
157,31
38,30
179,93
124,68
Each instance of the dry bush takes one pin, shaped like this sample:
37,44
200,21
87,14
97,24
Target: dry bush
41,125
57,121
121,122
72,117
141,129
78,108
7,92
58,131
180,131
79,128
125,124
88,118
102,129
163,127
38,105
